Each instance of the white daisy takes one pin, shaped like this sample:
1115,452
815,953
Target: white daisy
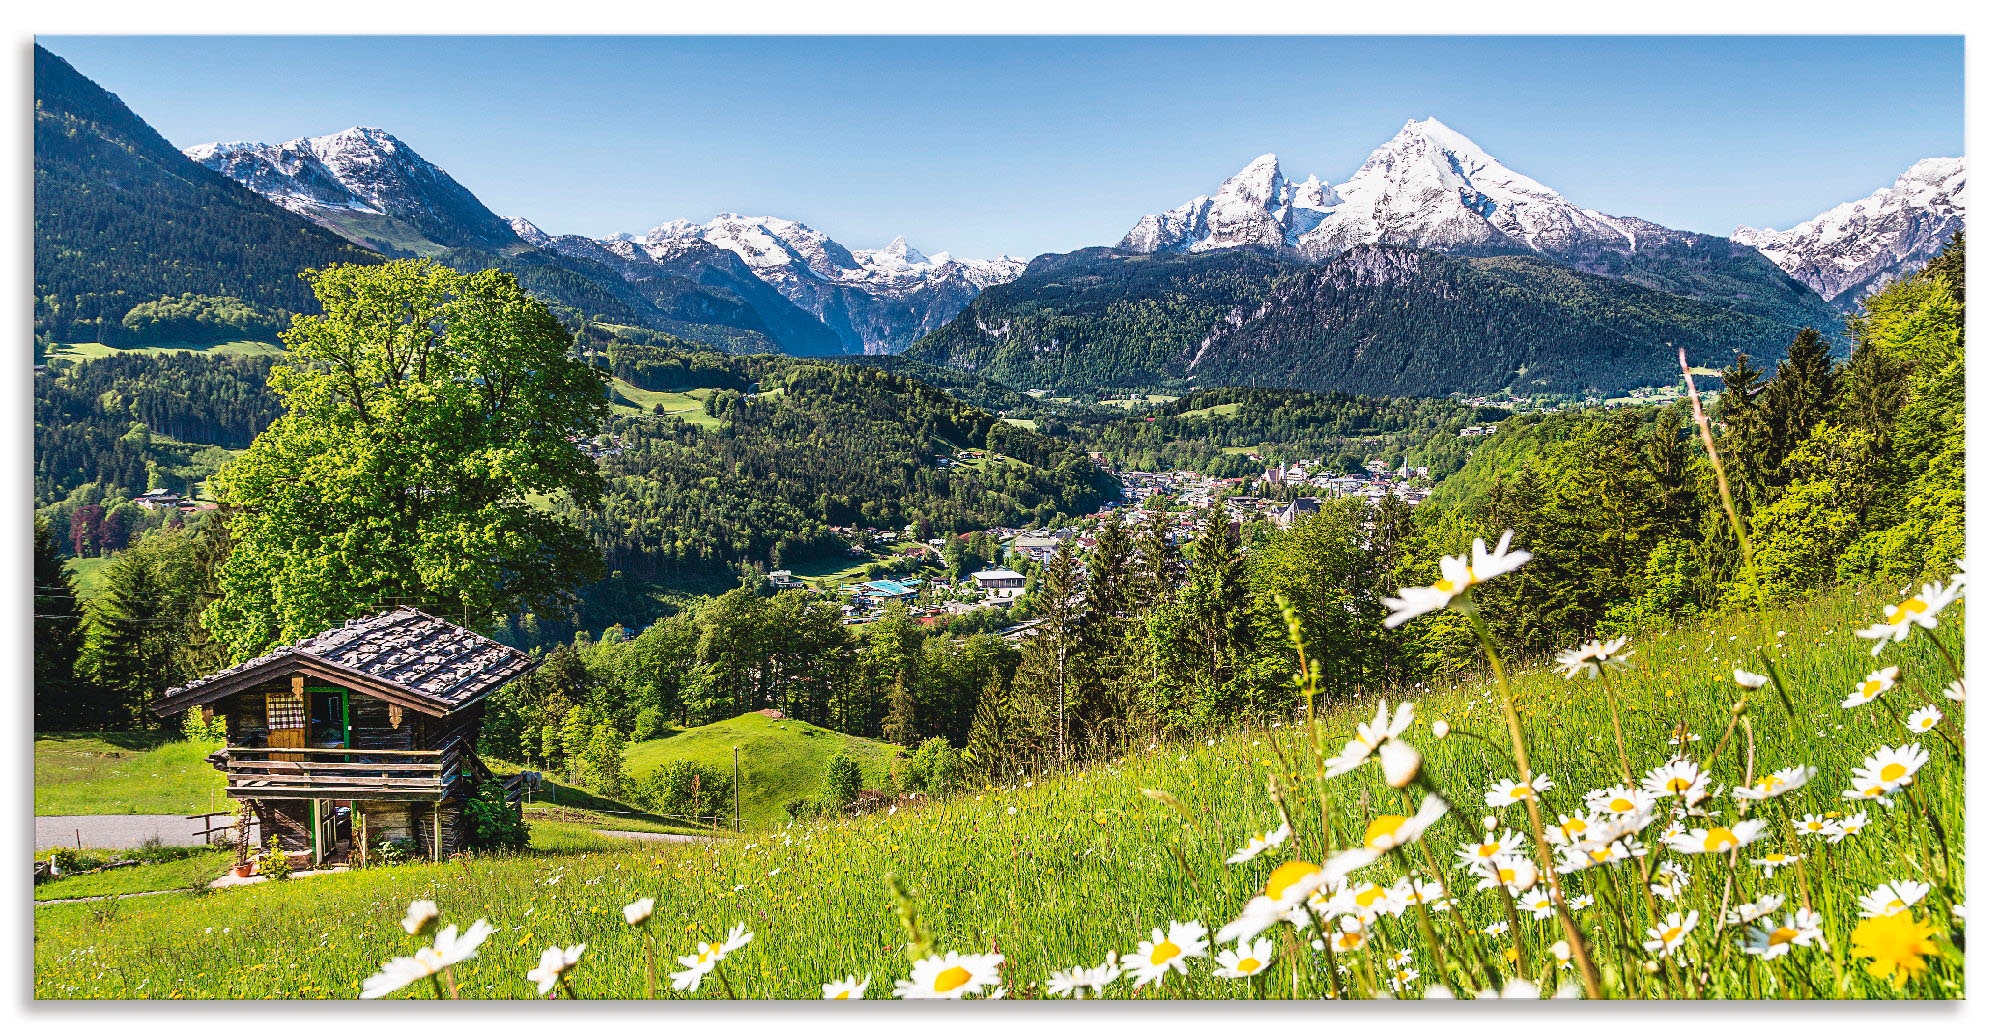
1751,911
950,976
1924,719
1773,938
1167,951
1260,843
1456,575
1672,931
1892,897
846,989
1922,609
554,963
1594,657
1876,684
1783,781
1243,961
1680,777
1507,791
1716,839
448,950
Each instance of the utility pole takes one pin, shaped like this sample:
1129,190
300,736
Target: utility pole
736,783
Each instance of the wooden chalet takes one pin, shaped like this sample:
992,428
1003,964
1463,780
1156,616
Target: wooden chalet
360,734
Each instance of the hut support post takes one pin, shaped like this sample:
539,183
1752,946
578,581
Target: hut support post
437,835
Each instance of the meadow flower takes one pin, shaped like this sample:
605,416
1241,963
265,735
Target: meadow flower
1783,781
1772,938
1289,885
1392,831
1618,800
1955,691
1887,771
1440,728
1876,684
1510,871
1370,736
1353,934
1893,897
1812,824
450,949
1456,575
1716,839
1561,950
952,976
1260,843
555,962
420,916
1171,950
1667,937
1669,880
1922,609
1507,791
1568,829
1594,657
1074,981
1750,679
1400,763
1751,911
1497,928
845,990
706,955
638,912
1589,854
1475,856
1540,903
1680,777
1924,719
1895,945
1846,827
1244,960
1680,738
1774,861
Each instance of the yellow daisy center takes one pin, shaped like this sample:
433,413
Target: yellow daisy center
1574,825
1282,879
1678,785
1782,935
1622,804
1384,827
1908,609
1349,939
1442,585
951,978
1768,783
1369,896
1519,792
843,993
1673,934
1247,964
1488,849
1165,951
1719,839
1893,770
1776,858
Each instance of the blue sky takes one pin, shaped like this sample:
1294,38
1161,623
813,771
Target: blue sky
1028,145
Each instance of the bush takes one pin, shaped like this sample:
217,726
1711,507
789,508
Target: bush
684,788
935,769
274,863
203,730
495,823
843,780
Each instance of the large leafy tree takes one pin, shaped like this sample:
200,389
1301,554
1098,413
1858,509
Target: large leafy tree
430,417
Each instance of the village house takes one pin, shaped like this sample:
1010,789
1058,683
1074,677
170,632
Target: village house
159,498
1297,510
363,734
784,580
1000,584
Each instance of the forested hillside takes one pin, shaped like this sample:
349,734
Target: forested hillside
1375,320
122,218
807,444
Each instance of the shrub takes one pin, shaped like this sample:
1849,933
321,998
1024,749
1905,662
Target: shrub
935,769
495,823
843,780
274,863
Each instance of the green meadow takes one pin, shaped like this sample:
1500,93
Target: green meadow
1055,871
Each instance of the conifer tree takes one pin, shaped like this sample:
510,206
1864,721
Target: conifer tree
59,700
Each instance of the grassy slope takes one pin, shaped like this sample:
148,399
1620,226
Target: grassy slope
124,774
178,874
85,572
1053,874
627,397
93,350
783,760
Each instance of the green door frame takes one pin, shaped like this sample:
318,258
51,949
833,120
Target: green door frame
323,810
346,714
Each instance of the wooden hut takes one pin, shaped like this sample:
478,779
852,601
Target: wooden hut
361,734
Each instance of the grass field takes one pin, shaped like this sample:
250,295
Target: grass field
82,350
1226,409
627,397
177,874
124,774
1059,870
783,760
85,571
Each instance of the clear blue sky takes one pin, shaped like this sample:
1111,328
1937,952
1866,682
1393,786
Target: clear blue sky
1029,145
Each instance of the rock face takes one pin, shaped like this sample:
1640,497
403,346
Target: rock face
1852,249
875,301
362,179
1431,187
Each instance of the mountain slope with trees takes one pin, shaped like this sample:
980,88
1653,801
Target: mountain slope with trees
123,219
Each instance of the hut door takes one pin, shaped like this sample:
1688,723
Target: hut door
285,717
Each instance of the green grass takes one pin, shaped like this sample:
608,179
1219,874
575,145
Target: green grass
783,760
85,350
1226,409
124,774
176,874
85,572
627,397
1021,422
1057,871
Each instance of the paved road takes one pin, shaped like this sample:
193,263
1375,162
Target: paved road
115,831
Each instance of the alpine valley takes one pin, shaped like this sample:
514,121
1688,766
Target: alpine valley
1433,269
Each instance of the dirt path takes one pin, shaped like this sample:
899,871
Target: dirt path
666,838
115,831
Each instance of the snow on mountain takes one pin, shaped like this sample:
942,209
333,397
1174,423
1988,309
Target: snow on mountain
1851,249
1427,187
354,180
879,300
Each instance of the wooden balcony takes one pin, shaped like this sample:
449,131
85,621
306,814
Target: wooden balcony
342,773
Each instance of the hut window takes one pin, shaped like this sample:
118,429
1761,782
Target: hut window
284,711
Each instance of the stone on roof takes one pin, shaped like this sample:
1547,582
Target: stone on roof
404,649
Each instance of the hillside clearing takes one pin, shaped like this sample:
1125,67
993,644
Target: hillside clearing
783,759
129,773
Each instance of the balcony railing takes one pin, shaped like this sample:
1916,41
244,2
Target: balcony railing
340,772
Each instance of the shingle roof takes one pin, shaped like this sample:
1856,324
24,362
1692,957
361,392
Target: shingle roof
403,649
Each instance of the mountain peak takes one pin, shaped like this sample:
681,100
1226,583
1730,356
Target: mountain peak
1851,249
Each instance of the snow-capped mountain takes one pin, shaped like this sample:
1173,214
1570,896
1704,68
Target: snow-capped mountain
878,300
1850,250
1431,187
365,184
1428,187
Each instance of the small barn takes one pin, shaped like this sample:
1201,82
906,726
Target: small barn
363,734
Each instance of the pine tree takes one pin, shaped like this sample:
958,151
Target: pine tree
1159,558
899,726
1800,395
1047,671
991,741
58,636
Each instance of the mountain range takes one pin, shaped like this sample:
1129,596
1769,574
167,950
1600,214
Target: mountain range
763,283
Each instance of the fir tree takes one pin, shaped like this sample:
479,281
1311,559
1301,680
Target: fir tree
58,636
